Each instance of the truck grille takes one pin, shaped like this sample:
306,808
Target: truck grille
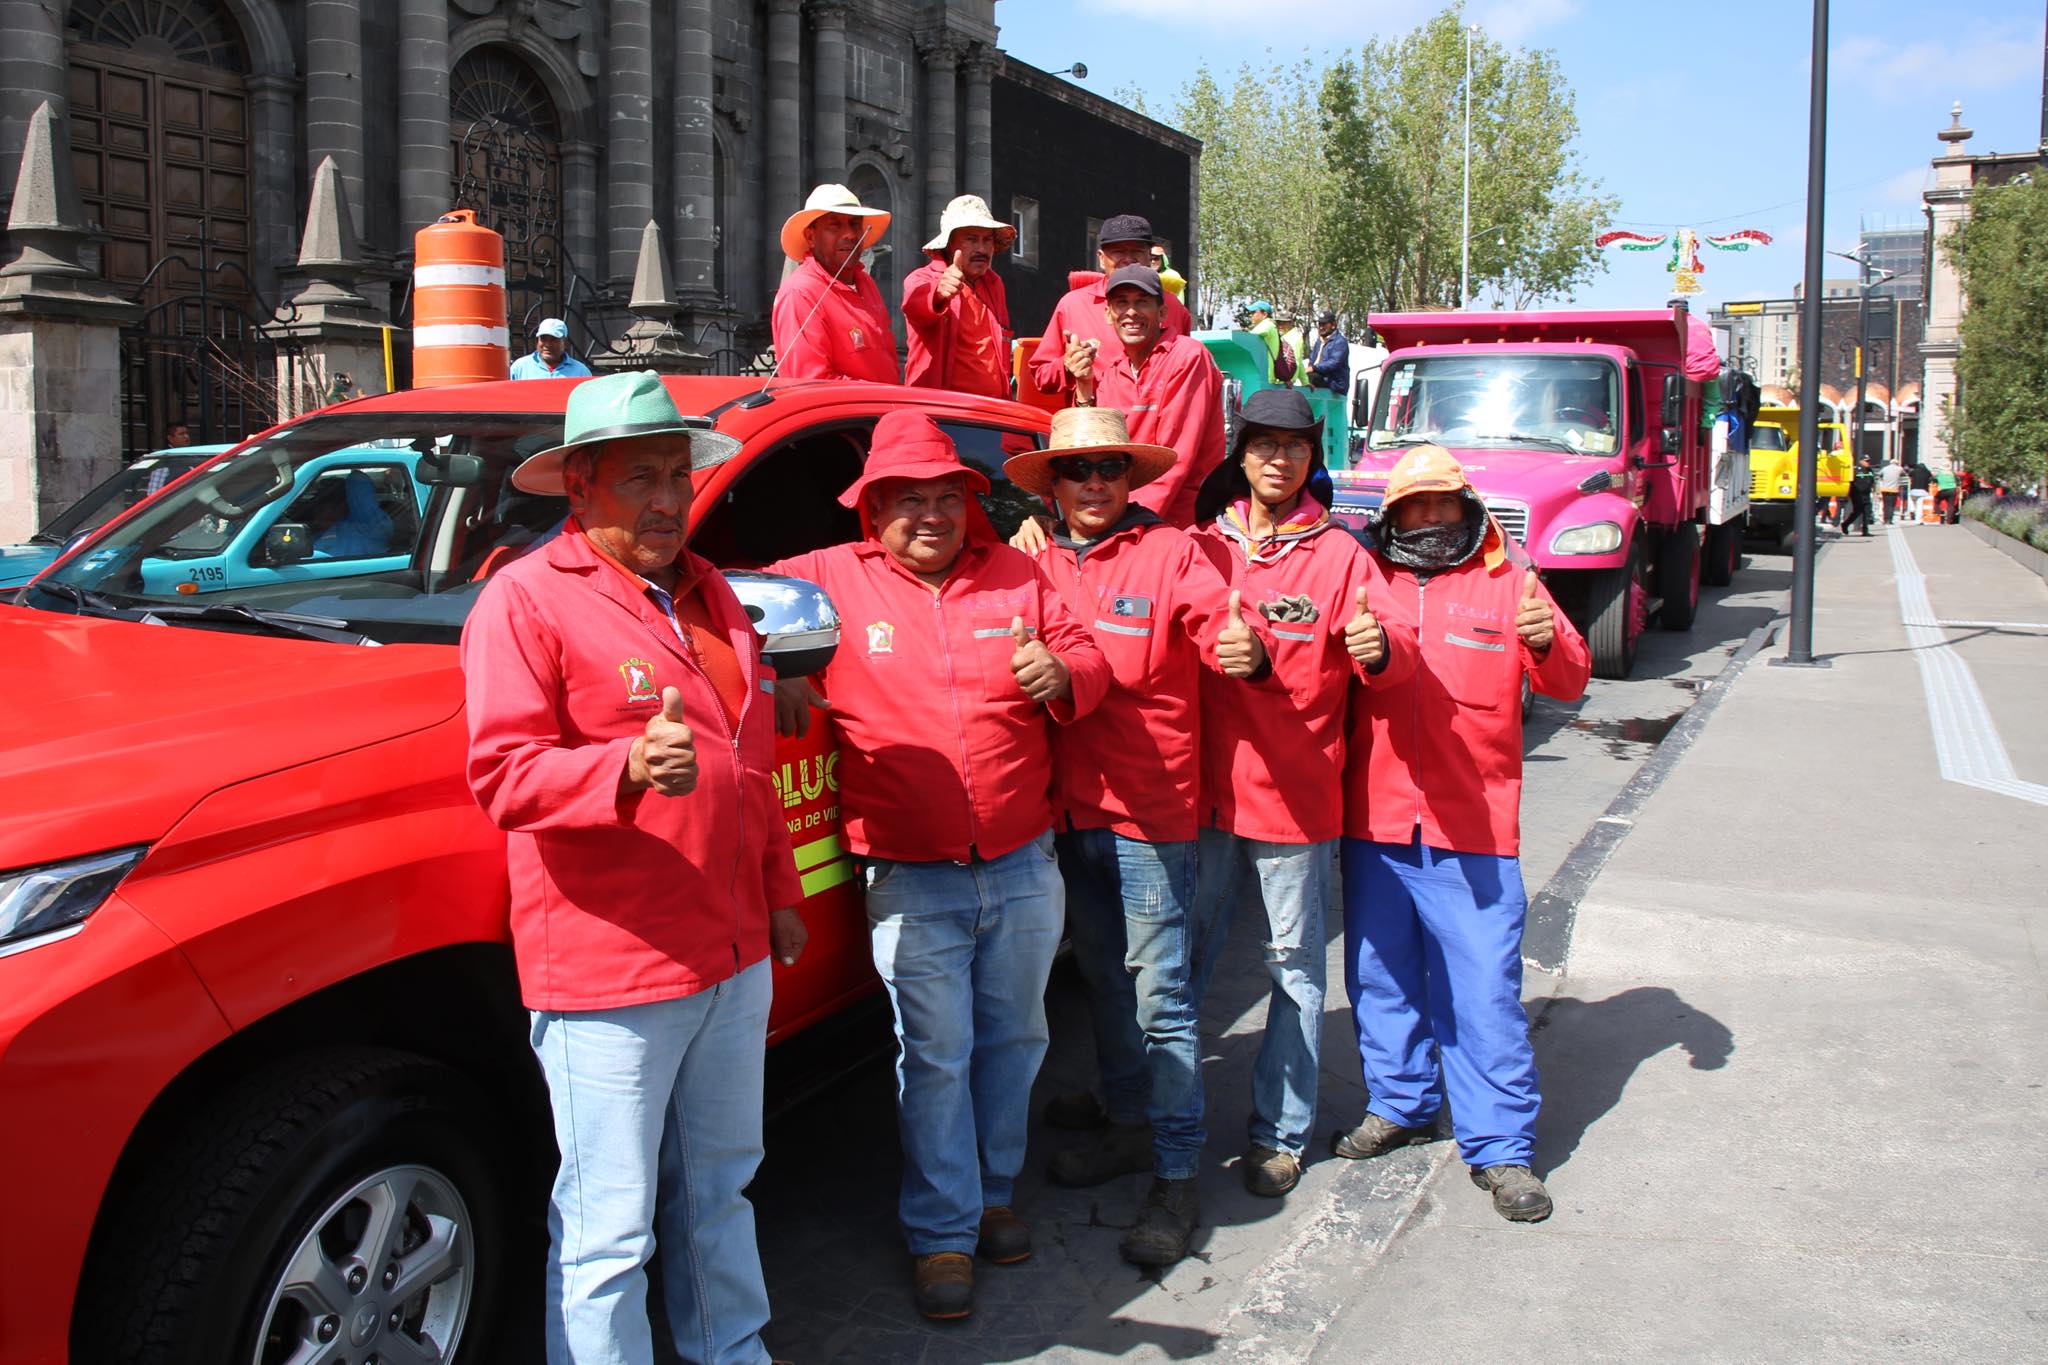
1512,516
1760,484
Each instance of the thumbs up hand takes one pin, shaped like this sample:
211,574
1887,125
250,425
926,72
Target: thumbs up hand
1363,638
1037,669
665,757
955,276
1535,621
1238,651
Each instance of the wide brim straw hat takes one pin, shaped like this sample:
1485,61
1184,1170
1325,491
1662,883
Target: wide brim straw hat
969,211
830,199
1088,431
619,407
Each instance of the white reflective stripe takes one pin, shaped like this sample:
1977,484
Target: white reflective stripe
991,632
1495,648
461,334
1292,634
428,276
1114,629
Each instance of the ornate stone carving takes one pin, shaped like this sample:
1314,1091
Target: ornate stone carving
941,47
866,133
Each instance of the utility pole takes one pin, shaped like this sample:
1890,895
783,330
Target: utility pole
1799,637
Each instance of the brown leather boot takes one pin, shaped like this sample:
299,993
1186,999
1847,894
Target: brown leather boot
1005,1238
1119,1151
1376,1136
1518,1195
1165,1226
943,1284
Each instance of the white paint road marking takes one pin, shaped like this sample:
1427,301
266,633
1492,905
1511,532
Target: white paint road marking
1966,743
1994,625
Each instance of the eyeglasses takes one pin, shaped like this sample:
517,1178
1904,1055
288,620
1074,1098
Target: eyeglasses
1076,470
1268,449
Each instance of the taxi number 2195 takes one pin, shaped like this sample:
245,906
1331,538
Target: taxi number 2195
206,573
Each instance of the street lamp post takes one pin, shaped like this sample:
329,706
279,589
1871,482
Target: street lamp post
1864,285
1799,635
1465,234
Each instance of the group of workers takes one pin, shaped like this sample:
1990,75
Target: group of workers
1186,679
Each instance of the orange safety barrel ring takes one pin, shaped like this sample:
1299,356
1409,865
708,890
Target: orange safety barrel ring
459,332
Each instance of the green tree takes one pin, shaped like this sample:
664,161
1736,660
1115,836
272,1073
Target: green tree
1999,425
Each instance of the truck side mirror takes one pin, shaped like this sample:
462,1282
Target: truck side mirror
1674,401
1670,440
797,623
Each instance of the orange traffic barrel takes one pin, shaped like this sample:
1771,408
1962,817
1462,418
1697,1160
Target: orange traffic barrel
459,335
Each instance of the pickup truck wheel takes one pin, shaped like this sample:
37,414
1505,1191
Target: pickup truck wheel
1678,577
335,1207
1723,554
1617,605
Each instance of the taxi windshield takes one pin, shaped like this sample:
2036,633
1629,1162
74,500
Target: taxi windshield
381,527
1569,404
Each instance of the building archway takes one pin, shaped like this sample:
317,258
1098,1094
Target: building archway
506,132
869,179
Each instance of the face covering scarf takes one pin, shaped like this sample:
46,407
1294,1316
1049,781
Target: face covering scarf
1432,549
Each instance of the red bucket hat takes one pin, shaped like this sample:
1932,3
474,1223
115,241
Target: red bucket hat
909,445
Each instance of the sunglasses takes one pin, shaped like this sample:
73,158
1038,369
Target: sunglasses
1076,470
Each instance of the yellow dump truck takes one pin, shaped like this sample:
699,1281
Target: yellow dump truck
1774,468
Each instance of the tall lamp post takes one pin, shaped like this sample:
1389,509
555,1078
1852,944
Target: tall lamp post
1465,233
1799,634
1864,285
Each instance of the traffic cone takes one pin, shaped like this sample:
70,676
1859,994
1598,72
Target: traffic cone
1834,509
1927,516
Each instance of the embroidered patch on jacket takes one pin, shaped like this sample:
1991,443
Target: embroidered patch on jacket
1130,606
639,676
1300,608
858,338
881,638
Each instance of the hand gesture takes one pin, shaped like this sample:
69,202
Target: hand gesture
1363,638
665,757
1037,669
787,936
1238,651
955,276
1032,535
794,698
1080,358
1535,621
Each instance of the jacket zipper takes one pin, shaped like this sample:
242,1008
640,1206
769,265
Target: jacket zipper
1421,633
959,722
689,657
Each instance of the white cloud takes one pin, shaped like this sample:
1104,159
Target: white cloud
1981,56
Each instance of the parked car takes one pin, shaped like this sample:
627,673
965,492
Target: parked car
107,500
261,1046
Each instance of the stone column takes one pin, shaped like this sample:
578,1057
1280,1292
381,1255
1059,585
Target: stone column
828,91
981,70
32,72
334,93
273,134
781,129
692,175
580,232
941,52
426,164
629,147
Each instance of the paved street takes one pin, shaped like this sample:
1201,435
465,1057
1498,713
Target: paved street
1259,1285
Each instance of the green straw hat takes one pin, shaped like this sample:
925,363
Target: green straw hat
615,408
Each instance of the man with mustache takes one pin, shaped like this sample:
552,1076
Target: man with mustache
829,318
959,317
1077,321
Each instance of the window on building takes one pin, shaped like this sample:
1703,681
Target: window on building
1024,218
1094,241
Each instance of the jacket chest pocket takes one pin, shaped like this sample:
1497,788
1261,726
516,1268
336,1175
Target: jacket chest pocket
994,645
1478,663
1124,628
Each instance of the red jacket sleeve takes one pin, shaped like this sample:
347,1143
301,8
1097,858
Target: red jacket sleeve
1201,601
1403,649
921,308
798,354
1088,673
523,775
1564,668
1049,361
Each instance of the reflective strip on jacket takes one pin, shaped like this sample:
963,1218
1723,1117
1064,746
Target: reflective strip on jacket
619,900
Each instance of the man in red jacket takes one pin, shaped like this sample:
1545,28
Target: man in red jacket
1077,320
958,652
829,319
650,876
1433,897
958,315
1124,802
1273,758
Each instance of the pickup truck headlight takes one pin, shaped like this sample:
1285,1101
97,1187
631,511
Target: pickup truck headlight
1600,538
40,900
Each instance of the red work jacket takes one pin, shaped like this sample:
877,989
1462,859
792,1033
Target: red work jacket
934,329
1080,311
1442,750
619,900
941,755
1174,399
848,335
1273,757
1156,605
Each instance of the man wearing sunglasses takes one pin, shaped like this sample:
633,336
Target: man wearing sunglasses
1125,780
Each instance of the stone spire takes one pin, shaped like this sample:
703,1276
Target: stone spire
1955,135
47,220
328,252
652,298
652,341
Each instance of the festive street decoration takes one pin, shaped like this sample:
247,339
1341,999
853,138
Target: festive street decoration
1685,265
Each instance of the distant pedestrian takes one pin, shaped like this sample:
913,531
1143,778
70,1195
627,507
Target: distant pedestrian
1920,482
1259,322
1860,486
829,319
1293,353
549,359
1433,894
1329,357
177,434
1947,497
1078,323
955,305
1889,479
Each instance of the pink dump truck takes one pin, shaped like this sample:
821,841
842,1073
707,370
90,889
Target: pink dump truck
1589,443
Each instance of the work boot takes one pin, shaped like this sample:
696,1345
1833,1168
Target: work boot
1376,1136
1270,1172
943,1283
1120,1151
1518,1195
1165,1226
1005,1238
1078,1110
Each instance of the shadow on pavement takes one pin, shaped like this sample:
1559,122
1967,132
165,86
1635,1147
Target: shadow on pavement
1588,1050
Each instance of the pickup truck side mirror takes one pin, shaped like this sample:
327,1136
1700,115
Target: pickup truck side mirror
1674,402
286,542
797,623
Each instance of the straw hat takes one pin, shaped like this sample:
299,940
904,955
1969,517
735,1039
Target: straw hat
1087,431
969,211
614,408
830,199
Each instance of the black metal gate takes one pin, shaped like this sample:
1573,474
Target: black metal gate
203,355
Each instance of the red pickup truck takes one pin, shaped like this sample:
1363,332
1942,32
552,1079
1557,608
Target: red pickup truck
262,1059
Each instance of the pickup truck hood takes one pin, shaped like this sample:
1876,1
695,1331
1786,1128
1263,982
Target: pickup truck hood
113,730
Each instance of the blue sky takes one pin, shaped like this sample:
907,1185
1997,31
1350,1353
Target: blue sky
1692,115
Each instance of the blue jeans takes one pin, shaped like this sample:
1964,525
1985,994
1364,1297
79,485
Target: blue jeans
663,1096
1294,882
964,949
1433,953
1128,908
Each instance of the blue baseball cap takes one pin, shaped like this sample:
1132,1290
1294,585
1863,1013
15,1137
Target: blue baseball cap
552,327
1260,306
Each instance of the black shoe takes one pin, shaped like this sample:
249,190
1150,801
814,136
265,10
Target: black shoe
1119,1151
1518,1195
1165,1226
1076,1109
1376,1136
1005,1238
1270,1172
943,1285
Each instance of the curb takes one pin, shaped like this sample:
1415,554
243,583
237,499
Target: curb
2026,556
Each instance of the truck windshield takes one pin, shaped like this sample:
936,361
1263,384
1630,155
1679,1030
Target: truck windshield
1543,402
1767,437
380,525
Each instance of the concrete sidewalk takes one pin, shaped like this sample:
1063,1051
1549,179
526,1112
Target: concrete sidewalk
1794,1068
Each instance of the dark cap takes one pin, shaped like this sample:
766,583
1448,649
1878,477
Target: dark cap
1322,318
1126,227
1138,277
